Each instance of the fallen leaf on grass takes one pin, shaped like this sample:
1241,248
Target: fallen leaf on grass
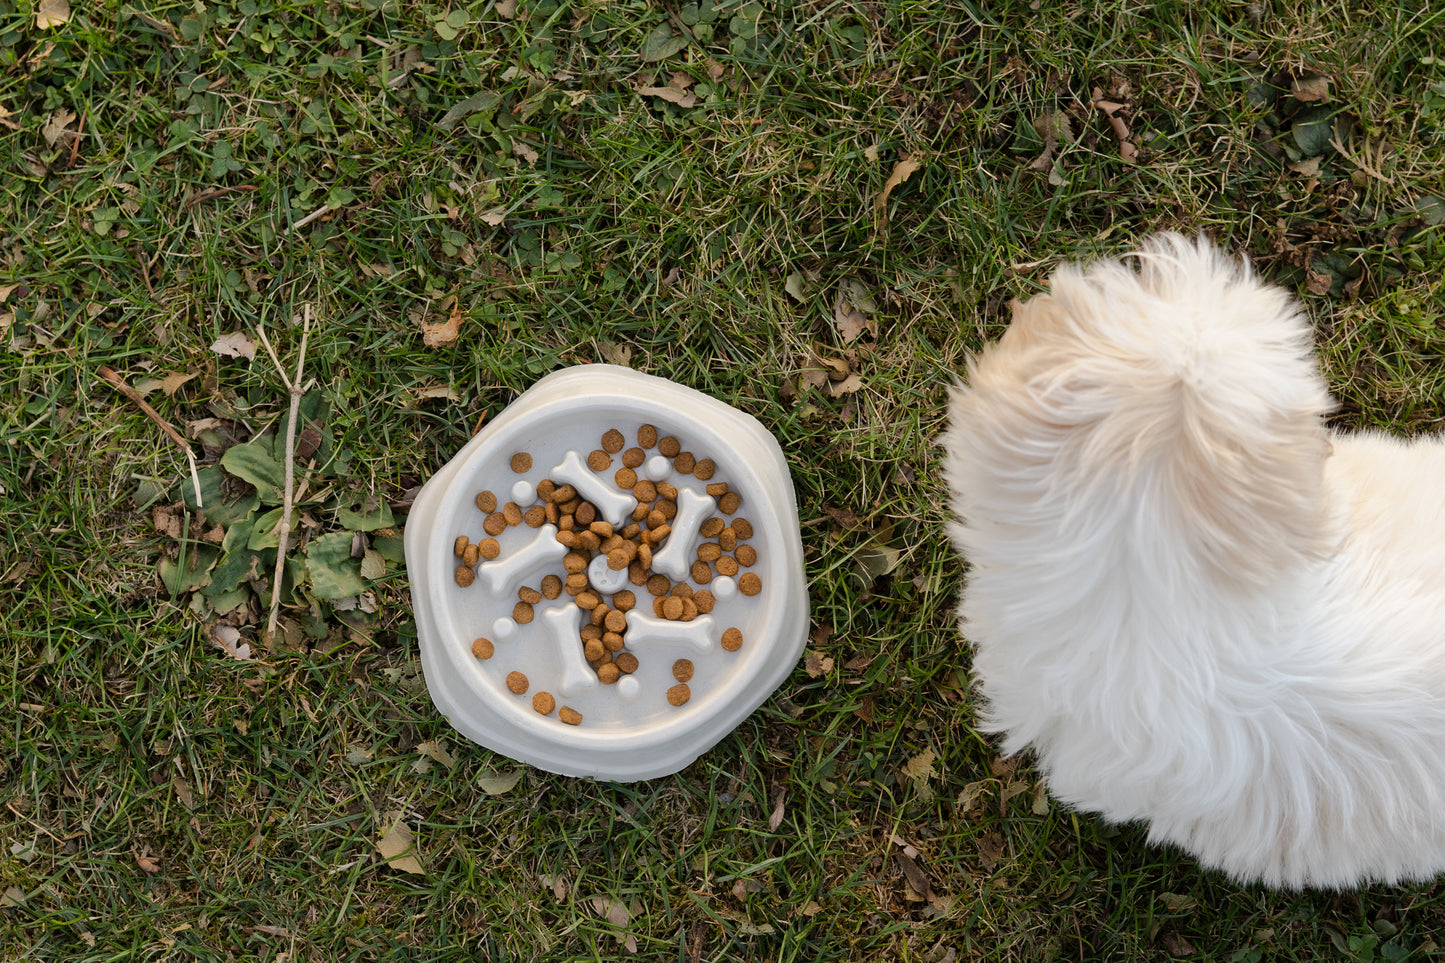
397,846
919,770
618,354
1040,805
148,863
235,345
991,849
56,124
170,384
228,638
902,170
776,819
183,792
433,749
13,896
1128,152
849,321
799,288
815,663
443,334
51,13
1312,89
446,392
683,98
506,9
847,386
496,784
1054,128
482,101
917,879
1309,167
494,219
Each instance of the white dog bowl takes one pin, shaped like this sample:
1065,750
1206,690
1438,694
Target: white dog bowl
629,728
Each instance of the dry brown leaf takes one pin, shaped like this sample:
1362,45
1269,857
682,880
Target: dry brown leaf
1309,90
849,321
183,792
56,124
683,98
525,152
1054,128
817,664
443,334
493,218
433,749
776,818
51,13
5,121
506,9
847,386
398,847
228,638
1128,152
1319,283
618,354
438,391
917,879
681,80
235,345
148,863
902,170
170,384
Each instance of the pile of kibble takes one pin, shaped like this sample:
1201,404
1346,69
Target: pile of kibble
603,639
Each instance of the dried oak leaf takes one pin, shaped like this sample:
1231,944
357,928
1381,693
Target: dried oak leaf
443,334
902,170
397,846
235,345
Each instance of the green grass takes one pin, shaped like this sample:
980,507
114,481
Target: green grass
163,801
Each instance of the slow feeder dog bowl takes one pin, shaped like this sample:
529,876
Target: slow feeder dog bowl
698,600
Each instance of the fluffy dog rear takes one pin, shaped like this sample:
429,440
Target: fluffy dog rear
1198,607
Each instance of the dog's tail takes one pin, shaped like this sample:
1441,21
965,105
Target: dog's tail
1184,394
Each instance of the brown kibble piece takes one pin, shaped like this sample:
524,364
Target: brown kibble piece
625,478
637,572
655,535
551,586
708,552
658,584
483,648
574,562
657,607
704,600
576,582
667,490
656,518
486,501
602,527
612,441
743,528
560,495
727,540
678,694
669,446
615,621
545,488
682,590
732,640
589,541
494,524
627,662
701,573
711,527
465,576
599,460
512,512
668,507
689,610
544,703
590,632
672,608
535,517
567,538
644,491
522,613
529,595
644,556
727,565
586,514
612,641
705,469
750,584
717,489
570,716
647,436
624,601
682,670
685,462
460,545
617,560
489,548
588,601
598,613
553,515
593,650
730,503
633,458
521,462
608,673
746,555
640,512
517,682
472,555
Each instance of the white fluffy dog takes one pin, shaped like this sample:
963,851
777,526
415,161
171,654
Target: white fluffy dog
1199,607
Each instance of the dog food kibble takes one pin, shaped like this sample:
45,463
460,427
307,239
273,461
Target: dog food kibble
624,601
742,528
551,586
730,503
535,517
704,469
489,548
521,463
682,670
486,501
704,600
588,601
701,573
711,527
615,621
545,487
529,595
669,446
672,608
658,585
599,460
727,565
685,462
667,490
522,613
517,683
727,539
495,524
576,583
586,514
559,495
570,716
465,576
717,489
617,560
708,552
592,649
612,642
544,703
608,673
512,512
750,584
678,694
732,640
633,458
483,648
612,441
647,436
682,590
627,662
746,555
471,555
459,547
625,478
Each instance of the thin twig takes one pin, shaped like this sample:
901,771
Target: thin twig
110,375
323,209
283,527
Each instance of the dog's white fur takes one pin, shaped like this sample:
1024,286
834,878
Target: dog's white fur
1196,605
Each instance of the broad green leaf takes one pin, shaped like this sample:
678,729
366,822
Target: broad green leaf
263,529
662,43
254,463
366,521
218,509
482,101
333,572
